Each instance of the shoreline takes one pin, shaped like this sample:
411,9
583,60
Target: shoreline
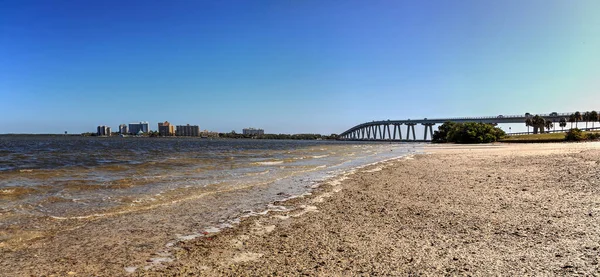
454,209
318,192
125,242
477,221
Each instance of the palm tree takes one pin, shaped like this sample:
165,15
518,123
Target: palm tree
563,123
577,118
593,117
572,119
586,117
538,123
528,123
548,124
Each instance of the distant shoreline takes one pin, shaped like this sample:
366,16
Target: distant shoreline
265,137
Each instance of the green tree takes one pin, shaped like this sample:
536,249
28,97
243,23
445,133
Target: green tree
593,117
563,123
441,135
572,119
528,123
578,118
470,132
538,124
586,118
549,124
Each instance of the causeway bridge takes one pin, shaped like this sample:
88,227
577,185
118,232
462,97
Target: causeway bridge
391,130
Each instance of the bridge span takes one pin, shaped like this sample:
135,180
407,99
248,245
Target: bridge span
390,130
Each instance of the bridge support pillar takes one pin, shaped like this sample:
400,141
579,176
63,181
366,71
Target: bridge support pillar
409,127
399,132
428,126
387,126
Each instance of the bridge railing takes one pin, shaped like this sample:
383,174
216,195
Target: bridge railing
494,117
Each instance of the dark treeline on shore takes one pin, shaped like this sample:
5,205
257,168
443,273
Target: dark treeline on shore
41,135
279,136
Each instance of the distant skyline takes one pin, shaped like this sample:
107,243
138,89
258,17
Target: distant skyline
291,66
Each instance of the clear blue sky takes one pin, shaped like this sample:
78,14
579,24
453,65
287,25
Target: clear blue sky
291,66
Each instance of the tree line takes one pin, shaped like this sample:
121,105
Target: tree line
280,136
539,123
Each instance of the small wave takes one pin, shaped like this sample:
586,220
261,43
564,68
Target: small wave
374,169
258,173
320,156
270,163
15,192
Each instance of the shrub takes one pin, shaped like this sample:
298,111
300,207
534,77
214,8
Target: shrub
440,136
469,132
575,135
592,136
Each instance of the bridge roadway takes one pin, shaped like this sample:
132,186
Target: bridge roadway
386,130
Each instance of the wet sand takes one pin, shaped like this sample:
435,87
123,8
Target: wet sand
458,210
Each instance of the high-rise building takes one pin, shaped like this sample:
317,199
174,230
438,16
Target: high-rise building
137,128
166,129
103,131
252,131
187,130
123,129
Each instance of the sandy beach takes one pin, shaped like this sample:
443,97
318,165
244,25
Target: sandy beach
458,210
501,209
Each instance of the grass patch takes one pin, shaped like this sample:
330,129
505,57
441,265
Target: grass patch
550,137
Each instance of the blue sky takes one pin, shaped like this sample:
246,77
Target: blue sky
291,66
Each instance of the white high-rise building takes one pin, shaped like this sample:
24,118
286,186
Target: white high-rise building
103,131
123,129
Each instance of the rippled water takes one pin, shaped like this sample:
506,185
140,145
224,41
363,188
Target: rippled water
77,177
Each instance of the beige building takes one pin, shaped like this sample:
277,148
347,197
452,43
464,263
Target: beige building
166,129
209,134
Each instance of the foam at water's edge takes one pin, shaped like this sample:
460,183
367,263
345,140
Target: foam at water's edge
331,180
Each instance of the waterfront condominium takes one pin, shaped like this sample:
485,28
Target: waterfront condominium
166,129
137,128
123,129
187,130
252,131
103,131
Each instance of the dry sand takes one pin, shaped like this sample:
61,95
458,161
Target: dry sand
501,209
460,210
